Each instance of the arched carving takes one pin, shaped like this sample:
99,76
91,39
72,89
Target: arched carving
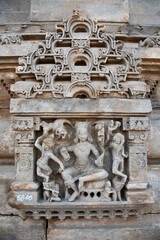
80,45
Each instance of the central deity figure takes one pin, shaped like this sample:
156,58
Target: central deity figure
83,169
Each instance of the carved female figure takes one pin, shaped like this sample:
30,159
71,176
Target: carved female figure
45,144
118,155
43,169
83,169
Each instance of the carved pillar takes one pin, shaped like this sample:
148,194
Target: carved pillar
138,189
24,188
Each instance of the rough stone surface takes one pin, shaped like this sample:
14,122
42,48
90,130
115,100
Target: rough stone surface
111,11
143,228
7,174
14,11
14,228
144,12
77,106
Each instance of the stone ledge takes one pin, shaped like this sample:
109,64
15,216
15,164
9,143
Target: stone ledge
80,107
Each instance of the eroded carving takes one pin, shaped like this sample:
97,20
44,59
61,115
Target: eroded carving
135,123
11,39
153,41
138,157
51,191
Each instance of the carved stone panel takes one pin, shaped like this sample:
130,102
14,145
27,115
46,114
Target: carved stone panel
80,119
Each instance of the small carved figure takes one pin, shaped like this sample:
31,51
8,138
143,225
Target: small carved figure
51,191
152,41
118,155
112,127
100,130
108,190
83,169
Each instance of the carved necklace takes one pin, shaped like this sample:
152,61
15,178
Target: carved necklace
82,147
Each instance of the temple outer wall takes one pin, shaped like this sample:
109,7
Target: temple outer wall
26,18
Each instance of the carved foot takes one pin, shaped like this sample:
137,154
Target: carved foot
55,199
73,196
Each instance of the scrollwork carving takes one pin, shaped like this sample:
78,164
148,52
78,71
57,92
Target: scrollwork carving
80,45
11,39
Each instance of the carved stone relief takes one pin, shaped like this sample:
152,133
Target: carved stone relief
11,39
86,176
82,60
88,159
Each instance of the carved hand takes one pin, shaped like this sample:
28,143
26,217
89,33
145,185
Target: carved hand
61,169
99,161
125,155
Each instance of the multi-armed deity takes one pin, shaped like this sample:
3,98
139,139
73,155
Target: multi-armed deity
86,177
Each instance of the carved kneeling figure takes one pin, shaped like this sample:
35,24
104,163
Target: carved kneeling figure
51,191
108,192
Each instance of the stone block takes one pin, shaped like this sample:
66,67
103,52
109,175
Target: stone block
6,140
154,179
14,228
141,197
144,12
112,10
81,106
7,174
17,49
153,143
144,228
14,11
